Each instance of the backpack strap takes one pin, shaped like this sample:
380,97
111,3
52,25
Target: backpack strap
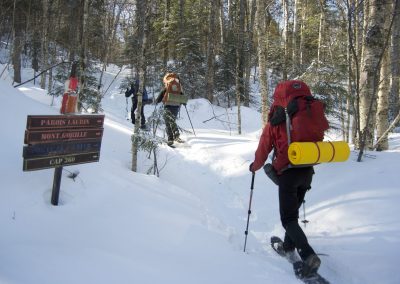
288,126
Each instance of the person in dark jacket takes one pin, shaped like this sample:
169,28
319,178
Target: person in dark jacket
133,92
293,184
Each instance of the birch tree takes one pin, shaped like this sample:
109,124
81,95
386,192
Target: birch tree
382,116
373,45
262,58
395,62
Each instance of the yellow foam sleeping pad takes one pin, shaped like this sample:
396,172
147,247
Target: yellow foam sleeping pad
303,153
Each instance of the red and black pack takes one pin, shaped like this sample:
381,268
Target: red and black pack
302,112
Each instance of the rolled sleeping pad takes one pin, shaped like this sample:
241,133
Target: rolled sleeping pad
182,99
303,153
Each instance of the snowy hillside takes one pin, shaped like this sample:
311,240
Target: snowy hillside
187,226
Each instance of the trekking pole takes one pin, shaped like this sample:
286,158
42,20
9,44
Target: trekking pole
305,221
126,108
249,211
190,120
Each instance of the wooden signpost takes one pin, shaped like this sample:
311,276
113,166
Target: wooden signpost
54,141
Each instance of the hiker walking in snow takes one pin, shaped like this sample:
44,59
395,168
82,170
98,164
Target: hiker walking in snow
293,182
133,91
172,97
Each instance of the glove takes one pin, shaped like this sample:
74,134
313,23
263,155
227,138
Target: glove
251,168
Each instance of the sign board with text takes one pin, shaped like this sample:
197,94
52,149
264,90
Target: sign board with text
61,140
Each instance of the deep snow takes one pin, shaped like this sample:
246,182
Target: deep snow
187,226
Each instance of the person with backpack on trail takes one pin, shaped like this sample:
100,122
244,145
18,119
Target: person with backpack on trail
133,91
293,182
172,97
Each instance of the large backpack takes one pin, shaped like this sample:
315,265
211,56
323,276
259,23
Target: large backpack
173,90
303,114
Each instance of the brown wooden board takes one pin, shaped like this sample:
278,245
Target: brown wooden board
47,136
61,148
59,161
36,122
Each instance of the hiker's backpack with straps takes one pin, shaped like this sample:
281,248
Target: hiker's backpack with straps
173,90
302,115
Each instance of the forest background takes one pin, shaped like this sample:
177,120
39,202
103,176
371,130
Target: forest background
346,50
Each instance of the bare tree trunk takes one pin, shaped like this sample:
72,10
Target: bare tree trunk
249,52
297,22
83,52
240,61
395,63
165,31
142,8
17,42
382,119
73,29
285,38
303,30
321,33
262,58
211,52
390,128
221,22
374,45
45,44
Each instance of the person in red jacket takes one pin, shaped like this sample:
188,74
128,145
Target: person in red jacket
293,182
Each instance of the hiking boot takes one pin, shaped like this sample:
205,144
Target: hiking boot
289,253
311,265
170,142
179,140
278,247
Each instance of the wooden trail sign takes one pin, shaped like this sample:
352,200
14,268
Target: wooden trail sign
61,135
64,148
60,161
35,122
54,141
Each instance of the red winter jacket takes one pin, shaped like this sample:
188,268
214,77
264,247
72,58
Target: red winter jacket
272,138
276,137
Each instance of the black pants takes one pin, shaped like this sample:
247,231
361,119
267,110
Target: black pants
142,118
293,185
170,114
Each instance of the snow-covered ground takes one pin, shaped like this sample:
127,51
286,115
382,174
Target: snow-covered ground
187,226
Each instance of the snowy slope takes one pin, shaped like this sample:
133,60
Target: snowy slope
187,226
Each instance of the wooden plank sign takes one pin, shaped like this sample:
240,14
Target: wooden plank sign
35,122
53,141
60,135
59,161
64,148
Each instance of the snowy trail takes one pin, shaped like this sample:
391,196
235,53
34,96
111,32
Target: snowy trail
187,226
